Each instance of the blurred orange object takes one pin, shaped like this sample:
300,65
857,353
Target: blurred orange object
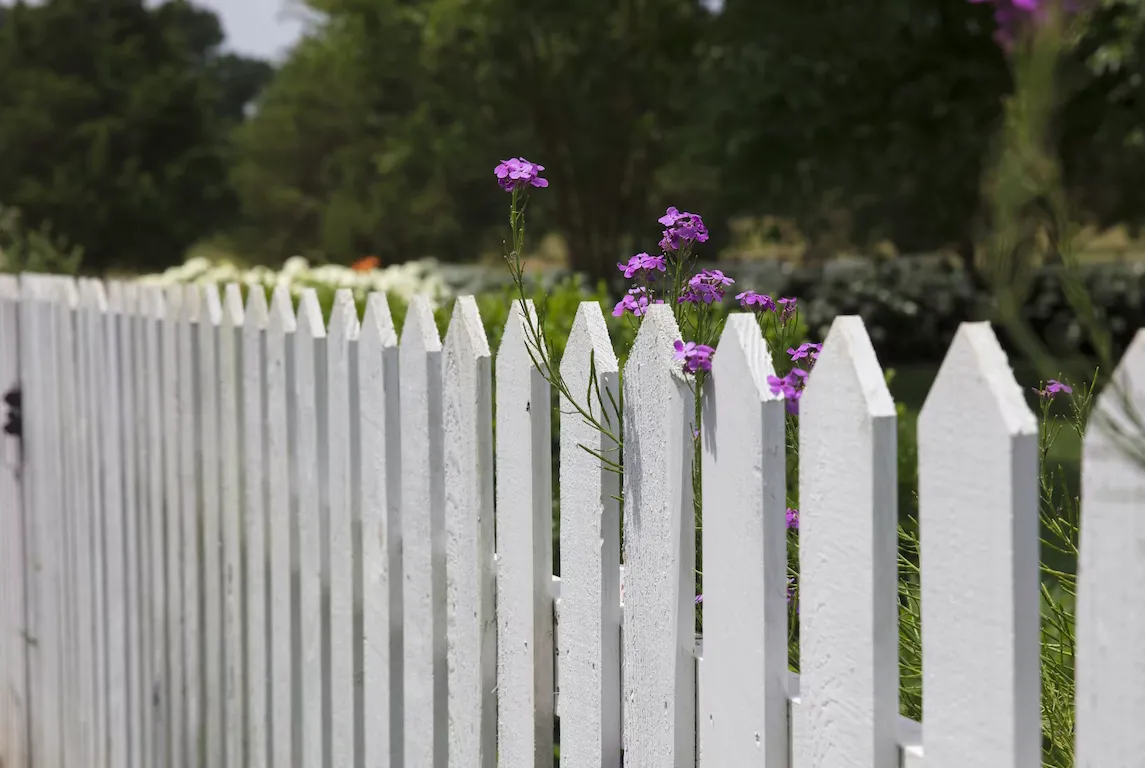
366,264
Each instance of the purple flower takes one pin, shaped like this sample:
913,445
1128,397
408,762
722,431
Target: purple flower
682,229
790,386
789,307
1054,387
792,519
696,357
761,301
642,262
1013,16
806,350
706,287
635,301
518,173
699,599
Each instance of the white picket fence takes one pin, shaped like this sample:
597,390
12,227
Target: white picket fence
236,537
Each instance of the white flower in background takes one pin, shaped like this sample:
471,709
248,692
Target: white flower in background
403,281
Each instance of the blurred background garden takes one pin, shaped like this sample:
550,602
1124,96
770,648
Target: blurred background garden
836,151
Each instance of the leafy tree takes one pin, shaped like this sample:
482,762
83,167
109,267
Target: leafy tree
116,124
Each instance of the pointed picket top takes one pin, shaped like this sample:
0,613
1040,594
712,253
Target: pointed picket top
146,305
281,320
257,314
976,361
742,352
130,298
309,321
344,316
114,296
99,296
465,339
659,536
232,312
743,686
378,323
9,287
1111,573
212,307
192,303
69,292
848,539
588,340
517,341
978,515
420,331
589,550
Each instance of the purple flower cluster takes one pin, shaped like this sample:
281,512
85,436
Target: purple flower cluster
643,264
792,519
791,385
785,307
706,288
1053,387
696,357
635,301
517,173
681,229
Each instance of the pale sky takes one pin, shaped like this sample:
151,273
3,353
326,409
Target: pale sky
260,28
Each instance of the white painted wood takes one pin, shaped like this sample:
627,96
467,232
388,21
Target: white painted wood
128,403
153,448
423,533
191,417
13,672
590,551
58,512
76,545
279,418
210,453
380,419
471,621
174,380
341,376
978,516
525,685
848,563
255,557
42,681
95,367
143,567
309,380
743,696
230,371
659,552
1110,670
115,535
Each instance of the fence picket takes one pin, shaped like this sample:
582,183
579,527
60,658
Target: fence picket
340,451
524,549
284,705
659,552
848,564
743,691
154,450
230,370
979,560
143,567
255,552
380,507
173,437
309,381
13,658
1111,571
423,531
589,549
214,645
95,362
65,300
471,621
